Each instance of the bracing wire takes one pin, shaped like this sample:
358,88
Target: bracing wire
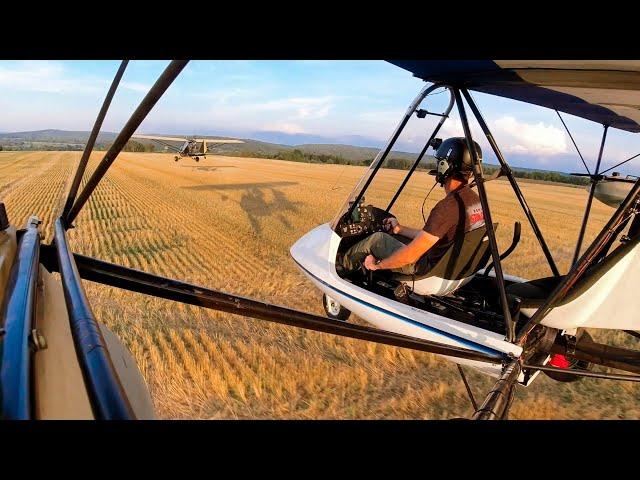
164,144
425,201
334,187
444,89
621,163
574,143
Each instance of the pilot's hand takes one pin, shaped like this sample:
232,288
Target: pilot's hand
391,225
370,263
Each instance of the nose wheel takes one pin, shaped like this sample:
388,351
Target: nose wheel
334,310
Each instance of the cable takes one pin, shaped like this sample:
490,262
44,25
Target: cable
445,89
425,201
333,187
574,143
164,144
618,164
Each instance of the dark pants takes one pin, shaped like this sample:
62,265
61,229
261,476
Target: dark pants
380,245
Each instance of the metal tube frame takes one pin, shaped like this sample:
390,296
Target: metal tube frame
106,394
497,402
594,182
493,244
443,118
584,373
382,155
578,268
157,90
468,387
514,184
119,276
105,390
91,142
19,318
599,354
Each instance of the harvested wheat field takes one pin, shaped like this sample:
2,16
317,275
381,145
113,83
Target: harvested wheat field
228,223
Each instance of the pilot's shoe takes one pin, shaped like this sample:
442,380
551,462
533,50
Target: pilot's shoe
401,293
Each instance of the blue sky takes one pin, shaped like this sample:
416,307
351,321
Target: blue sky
356,102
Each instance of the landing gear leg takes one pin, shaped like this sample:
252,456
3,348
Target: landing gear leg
498,402
466,385
334,310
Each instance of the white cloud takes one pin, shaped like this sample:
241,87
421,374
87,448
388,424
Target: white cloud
136,87
239,109
224,96
46,77
299,107
526,138
284,127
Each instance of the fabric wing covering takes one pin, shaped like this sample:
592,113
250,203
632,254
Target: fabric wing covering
603,91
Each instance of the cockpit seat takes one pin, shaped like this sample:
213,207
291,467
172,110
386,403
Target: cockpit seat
604,297
457,266
532,294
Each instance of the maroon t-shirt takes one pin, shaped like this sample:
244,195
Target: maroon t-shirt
457,213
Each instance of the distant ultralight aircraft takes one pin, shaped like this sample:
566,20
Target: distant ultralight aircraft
191,147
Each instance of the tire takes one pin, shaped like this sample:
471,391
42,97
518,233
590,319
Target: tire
334,310
175,159
197,159
575,365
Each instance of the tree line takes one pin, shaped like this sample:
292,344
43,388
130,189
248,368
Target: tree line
297,155
130,146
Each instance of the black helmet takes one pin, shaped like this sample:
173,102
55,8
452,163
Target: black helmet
453,156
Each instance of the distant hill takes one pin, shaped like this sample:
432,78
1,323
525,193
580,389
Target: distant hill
306,152
34,140
54,136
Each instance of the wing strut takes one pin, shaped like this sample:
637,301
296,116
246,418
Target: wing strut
90,143
118,276
504,167
578,268
466,385
595,178
496,405
108,398
482,193
162,84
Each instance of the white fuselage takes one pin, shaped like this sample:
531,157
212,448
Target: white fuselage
315,254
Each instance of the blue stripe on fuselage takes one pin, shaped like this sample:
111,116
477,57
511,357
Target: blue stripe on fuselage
473,345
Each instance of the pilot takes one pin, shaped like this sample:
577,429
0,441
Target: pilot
460,211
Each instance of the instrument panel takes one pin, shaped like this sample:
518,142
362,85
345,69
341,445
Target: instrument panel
365,220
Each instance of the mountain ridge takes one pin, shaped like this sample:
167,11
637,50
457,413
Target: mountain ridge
76,137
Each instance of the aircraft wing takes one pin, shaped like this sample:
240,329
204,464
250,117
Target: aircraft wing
603,91
155,137
218,140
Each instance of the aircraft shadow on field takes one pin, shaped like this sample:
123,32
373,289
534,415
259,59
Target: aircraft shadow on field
254,201
207,168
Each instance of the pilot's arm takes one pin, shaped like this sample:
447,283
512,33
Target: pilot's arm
391,225
407,255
